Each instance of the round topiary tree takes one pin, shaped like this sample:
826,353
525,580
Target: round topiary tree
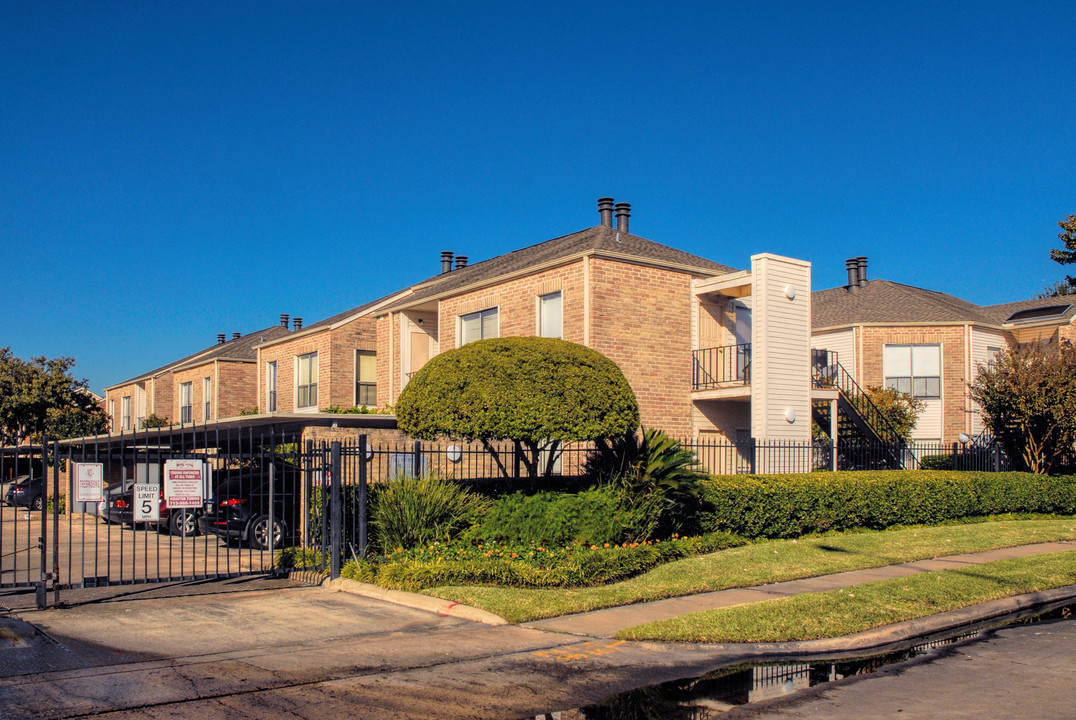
536,392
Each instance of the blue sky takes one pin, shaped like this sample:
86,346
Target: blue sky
170,171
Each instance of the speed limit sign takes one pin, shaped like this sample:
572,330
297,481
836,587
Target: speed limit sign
147,504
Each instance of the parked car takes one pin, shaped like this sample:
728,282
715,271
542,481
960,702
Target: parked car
118,507
239,509
26,491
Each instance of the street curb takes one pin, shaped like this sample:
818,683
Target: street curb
441,607
969,618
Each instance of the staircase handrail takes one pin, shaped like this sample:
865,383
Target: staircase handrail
829,372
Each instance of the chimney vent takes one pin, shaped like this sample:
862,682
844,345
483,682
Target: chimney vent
623,210
236,336
605,209
284,320
220,338
298,323
852,266
861,262
461,261
446,261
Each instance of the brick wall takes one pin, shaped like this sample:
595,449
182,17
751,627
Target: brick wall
953,366
238,389
641,319
195,377
360,334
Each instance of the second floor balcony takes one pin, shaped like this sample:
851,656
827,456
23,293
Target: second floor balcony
722,367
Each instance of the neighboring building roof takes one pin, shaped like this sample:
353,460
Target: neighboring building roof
241,348
882,301
1005,311
599,239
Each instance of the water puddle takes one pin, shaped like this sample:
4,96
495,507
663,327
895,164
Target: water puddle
713,694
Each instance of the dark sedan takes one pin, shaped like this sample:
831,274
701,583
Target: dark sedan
27,492
239,509
118,507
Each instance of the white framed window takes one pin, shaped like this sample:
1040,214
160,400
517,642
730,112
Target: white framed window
306,395
270,386
207,393
992,357
479,325
366,378
125,419
185,402
913,369
551,315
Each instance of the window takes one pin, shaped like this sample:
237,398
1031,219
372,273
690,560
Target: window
913,369
992,357
478,326
207,392
270,386
550,315
125,420
307,395
185,402
366,378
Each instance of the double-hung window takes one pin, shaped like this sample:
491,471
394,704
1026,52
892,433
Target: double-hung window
550,315
125,420
479,325
207,393
366,378
913,369
307,392
270,386
185,402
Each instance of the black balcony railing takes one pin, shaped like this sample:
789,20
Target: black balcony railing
719,367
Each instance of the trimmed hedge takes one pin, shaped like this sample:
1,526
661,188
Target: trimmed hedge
785,506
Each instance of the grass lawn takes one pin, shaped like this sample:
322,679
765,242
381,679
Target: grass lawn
840,612
764,562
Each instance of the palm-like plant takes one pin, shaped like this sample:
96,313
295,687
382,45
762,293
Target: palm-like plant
653,472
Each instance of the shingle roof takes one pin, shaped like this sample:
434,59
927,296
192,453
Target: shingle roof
1000,312
241,348
595,239
329,321
882,301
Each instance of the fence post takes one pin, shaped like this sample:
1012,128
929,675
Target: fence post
362,495
337,515
42,539
56,521
833,454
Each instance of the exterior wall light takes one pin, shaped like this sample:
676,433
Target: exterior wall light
790,415
454,453
790,292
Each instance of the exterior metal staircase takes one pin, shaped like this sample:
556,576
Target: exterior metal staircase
858,419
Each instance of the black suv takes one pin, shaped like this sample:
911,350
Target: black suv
239,508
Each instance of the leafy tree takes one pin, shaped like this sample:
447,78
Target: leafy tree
1067,255
1058,289
40,396
156,421
536,392
1028,400
899,408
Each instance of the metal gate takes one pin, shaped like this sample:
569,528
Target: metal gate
261,494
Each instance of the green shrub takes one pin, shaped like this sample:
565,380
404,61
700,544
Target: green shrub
412,511
781,506
655,477
591,517
526,566
936,462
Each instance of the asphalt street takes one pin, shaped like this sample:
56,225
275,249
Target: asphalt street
262,648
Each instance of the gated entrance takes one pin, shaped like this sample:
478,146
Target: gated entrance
176,506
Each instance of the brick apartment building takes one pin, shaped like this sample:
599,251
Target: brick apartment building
928,343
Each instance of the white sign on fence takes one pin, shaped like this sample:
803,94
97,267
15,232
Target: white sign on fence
183,483
88,482
146,502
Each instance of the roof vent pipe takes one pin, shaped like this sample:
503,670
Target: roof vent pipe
284,319
852,266
446,261
605,209
861,261
623,210
298,323
220,338
236,336
461,261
